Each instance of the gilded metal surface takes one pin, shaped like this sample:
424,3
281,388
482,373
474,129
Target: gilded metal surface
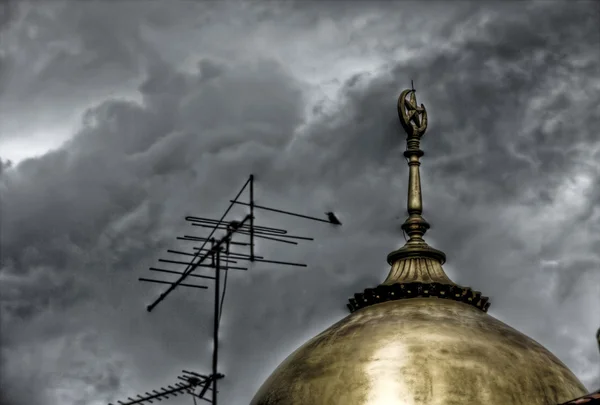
420,351
423,270
414,351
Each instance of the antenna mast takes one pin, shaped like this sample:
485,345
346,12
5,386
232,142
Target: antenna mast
195,384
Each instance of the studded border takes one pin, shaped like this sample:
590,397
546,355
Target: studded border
398,291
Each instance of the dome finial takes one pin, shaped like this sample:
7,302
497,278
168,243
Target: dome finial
414,121
416,267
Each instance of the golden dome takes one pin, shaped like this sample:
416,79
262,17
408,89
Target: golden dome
420,351
418,338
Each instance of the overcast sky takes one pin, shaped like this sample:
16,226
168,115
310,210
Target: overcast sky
122,117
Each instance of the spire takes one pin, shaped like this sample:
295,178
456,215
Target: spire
427,259
416,267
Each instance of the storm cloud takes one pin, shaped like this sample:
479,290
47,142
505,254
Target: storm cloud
122,118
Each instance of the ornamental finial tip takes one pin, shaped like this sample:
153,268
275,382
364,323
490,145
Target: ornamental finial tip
412,116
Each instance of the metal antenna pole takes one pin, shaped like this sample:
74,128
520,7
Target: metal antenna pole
251,217
216,324
199,257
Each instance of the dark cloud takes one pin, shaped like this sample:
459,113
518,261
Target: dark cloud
95,200
8,14
5,165
509,176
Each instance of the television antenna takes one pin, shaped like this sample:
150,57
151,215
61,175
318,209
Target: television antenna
219,257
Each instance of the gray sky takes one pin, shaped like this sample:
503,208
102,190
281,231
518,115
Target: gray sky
123,117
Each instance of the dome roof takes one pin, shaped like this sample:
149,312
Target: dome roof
420,351
419,338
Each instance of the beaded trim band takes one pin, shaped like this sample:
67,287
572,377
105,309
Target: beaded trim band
398,291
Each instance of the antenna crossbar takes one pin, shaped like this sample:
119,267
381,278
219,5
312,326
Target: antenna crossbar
178,262
271,261
159,396
178,252
234,255
199,239
248,227
180,273
192,266
243,231
282,212
150,280
264,237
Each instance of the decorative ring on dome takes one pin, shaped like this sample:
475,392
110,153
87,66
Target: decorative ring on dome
398,291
